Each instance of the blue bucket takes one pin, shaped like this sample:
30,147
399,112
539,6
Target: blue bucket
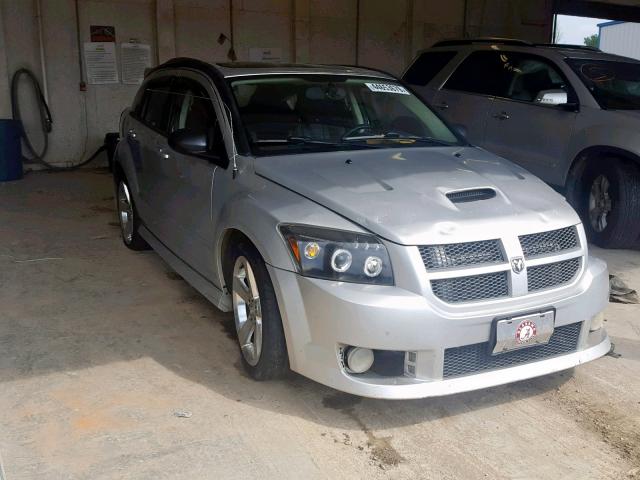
10,150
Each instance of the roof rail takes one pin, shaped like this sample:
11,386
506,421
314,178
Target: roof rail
567,46
469,41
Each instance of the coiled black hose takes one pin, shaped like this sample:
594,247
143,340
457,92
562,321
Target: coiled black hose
46,122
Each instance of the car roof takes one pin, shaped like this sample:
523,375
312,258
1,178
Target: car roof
241,69
562,50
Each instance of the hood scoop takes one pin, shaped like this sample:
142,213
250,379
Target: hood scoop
477,194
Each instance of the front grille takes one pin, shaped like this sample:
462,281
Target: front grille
545,243
552,274
472,288
461,254
464,196
477,358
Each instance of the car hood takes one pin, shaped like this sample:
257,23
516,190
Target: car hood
400,194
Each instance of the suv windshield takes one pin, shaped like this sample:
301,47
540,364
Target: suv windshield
615,85
299,113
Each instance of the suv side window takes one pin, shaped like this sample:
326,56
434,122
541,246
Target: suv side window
481,72
193,110
427,66
155,106
531,76
512,75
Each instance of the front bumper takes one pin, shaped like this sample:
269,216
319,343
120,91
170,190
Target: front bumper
319,317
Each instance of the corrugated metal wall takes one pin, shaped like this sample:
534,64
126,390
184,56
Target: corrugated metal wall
621,39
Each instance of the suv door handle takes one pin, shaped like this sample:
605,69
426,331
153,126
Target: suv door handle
163,154
443,106
501,116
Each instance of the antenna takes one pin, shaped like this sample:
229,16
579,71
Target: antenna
234,153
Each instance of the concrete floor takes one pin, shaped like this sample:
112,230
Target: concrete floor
100,347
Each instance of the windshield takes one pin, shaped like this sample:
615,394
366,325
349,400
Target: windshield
615,85
293,114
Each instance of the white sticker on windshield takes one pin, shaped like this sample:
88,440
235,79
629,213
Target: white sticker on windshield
387,88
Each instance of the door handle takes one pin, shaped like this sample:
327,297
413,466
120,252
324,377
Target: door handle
163,154
443,106
501,116
132,133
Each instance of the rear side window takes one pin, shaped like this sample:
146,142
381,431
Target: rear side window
480,72
427,66
155,105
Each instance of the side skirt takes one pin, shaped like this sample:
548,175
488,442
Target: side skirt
197,281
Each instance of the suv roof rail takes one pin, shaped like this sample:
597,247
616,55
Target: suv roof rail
454,42
567,46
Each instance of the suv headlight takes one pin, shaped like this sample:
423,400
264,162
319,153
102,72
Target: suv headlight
338,255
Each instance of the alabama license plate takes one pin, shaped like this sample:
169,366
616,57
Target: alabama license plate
523,331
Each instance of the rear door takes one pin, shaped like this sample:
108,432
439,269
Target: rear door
521,126
151,123
465,97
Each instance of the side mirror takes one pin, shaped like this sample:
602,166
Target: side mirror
552,97
188,142
460,130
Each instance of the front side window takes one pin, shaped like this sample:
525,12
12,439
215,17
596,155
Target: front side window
614,85
512,75
193,111
291,114
155,105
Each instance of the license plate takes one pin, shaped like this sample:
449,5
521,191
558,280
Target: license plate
523,331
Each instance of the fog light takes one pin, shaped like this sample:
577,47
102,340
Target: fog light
359,360
597,322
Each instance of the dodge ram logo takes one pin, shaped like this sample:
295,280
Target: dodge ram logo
517,264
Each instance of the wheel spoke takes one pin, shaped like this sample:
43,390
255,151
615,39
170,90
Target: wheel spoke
240,288
246,331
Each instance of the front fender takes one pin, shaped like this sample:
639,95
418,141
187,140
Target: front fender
258,211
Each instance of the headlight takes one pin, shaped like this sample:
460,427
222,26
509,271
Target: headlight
338,255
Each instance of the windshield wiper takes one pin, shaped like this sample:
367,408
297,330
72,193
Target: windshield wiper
397,136
296,140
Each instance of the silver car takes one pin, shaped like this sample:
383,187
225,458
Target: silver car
356,237
568,114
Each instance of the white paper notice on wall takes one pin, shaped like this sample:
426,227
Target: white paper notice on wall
265,55
100,62
135,58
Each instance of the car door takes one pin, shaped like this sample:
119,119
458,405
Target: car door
532,120
146,129
465,97
188,197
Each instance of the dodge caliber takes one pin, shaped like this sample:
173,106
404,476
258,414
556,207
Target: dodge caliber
357,238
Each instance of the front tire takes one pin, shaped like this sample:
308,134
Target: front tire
129,219
257,316
609,203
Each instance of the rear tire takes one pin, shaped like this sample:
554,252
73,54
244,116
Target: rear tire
257,318
608,200
129,218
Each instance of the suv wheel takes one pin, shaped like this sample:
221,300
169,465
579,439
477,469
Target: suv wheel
128,217
610,203
257,316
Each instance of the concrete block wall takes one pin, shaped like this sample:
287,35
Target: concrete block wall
376,33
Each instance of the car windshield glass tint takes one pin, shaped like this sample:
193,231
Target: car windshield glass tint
293,114
615,85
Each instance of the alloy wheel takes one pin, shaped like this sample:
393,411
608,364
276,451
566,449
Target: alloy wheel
125,212
247,311
599,203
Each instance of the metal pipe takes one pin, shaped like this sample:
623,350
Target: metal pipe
43,62
357,31
293,32
79,43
